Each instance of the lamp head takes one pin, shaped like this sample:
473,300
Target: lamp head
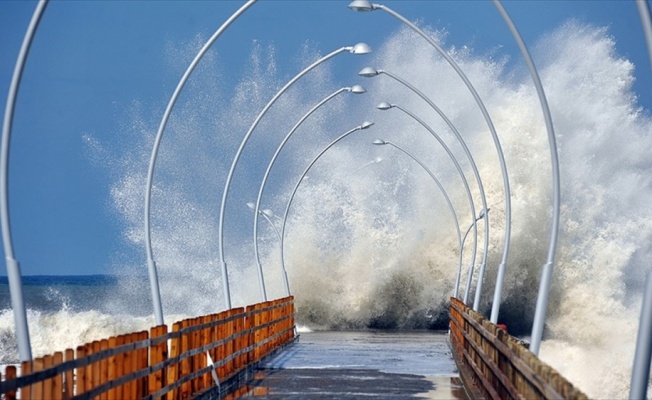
481,215
251,205
384,106
360,48
268,212
361,5
379,142
357,89
368,72
366,125
378,159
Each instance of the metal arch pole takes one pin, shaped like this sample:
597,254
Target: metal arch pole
443,191
546,275
271,163
153,275
286,283
643,353
508,208
475,221
13,267
305,172
284,274
641,368
227,184
469,197
646,22
476,303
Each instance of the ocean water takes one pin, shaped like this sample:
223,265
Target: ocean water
374,247
66,311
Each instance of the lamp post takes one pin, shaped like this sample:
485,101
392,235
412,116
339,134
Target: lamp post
546,275
365,125
365,5
448,201
643,353
355,89
360,48
268,214
371,72
151,264
387,106
13,267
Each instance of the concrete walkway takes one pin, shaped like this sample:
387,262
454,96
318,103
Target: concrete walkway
364,364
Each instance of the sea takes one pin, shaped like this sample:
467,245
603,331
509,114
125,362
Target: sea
66,311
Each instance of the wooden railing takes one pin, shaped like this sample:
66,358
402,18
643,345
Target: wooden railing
160,364
494,365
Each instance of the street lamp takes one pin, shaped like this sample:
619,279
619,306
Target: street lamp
360,48
371,72
153,276
355,89
374,161
448,201
546,275
13,267
365,5
365,125
387,106
268,214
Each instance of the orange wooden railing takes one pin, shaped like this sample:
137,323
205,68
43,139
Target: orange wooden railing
495,365
158,363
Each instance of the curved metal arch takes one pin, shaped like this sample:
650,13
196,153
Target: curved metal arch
365,5
485,209
13,267
151,264
353,89
360,48
448,201
364,125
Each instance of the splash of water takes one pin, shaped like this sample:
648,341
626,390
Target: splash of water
375,246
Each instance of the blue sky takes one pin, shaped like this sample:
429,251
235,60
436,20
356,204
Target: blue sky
92,60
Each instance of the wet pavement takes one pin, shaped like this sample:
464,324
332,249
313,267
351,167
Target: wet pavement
361,364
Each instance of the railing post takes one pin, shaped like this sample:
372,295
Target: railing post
10,373
112,368
230,349
26,369
47,383
157,354
104,368
37,388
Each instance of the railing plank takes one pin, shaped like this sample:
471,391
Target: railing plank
173,370
186,362
57,381
112,366
68,376
10,373
157,354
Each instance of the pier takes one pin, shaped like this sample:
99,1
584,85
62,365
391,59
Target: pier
255,352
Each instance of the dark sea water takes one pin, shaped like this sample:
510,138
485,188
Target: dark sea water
66,311
48,293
